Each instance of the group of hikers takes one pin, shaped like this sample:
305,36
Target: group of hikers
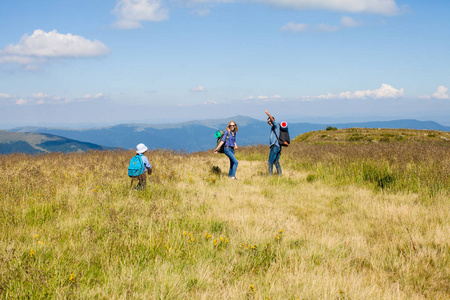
228,142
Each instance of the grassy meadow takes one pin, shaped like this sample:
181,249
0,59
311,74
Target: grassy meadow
347,220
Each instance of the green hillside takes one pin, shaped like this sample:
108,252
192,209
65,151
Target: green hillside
35,143
374,135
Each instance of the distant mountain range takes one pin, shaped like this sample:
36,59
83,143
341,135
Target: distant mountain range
188,136
36,143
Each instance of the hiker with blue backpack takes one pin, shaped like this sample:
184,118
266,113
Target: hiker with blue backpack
139,167
278,138
228,142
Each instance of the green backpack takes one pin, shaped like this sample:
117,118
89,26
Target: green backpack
218,135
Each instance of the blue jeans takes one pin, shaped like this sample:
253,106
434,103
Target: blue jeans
233,161
274,159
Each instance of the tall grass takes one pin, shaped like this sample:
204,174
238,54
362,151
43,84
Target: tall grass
344,222
418,168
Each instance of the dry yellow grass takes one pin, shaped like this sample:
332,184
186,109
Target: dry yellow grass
70,227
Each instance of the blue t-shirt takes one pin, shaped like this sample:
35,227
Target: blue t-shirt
273,138
147,164
231,139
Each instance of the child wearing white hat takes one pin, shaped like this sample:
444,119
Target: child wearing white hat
140,150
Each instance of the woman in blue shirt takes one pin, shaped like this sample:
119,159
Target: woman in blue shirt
229,139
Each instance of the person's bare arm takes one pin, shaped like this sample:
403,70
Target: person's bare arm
270,116
218,147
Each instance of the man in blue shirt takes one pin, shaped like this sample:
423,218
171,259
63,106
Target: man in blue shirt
275,148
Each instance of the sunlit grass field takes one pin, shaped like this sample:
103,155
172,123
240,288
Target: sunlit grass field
346,221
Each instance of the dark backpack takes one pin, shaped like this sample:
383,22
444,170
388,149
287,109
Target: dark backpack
136,166
284,140
218,135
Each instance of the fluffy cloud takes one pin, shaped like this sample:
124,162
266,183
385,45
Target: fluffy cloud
42,46
327,28
5,96
384,7
41,98
198,89
264,98
294,27
346,22
89,97
385,91
441,93
349,22
131,13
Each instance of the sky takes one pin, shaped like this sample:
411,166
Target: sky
91,63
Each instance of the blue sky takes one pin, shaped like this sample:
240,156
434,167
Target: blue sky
87,63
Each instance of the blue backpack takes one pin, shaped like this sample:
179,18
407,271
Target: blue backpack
136,166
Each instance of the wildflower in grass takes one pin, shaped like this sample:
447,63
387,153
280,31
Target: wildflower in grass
35,236
185,232
208,236
254,247
215,242
252,288
40,243
226,240
279,236
32,253
221,239
72,278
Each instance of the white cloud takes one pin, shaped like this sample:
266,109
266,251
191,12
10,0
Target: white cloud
42,46
441,93
264,98
346,22
201,12
385,91
21,101
198,89
327,28
294,27
92,97
5,96
349,22
41,98
383,7
210,102
131,13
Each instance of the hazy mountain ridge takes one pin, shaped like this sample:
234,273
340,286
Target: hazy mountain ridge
36,143
198,135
